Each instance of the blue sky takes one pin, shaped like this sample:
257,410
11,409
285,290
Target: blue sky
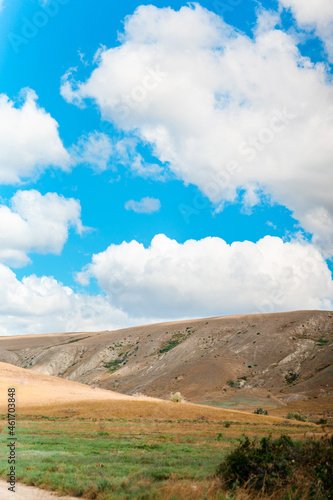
208,123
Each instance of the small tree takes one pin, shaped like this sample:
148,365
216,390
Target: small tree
176,397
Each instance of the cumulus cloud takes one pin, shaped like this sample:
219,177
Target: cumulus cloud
29,140
169,280
221,110
43,305
210,277
36,223
94,150
314,15
144,206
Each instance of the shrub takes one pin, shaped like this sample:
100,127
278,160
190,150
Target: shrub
297,416
176,339
291,377
275,464
237,384
260,411
176,397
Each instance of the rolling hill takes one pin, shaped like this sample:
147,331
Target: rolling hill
38,394
272,360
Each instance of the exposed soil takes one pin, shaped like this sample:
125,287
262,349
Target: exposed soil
273,361
23,492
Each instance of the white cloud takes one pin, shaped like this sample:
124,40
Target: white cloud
141,168
29,140
36,223
223,111
169,280
95,150
43,305
210,277
144,206
314,15
101,152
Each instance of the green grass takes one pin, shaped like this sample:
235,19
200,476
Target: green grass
176,339
111,458
235,402
115,364
103,461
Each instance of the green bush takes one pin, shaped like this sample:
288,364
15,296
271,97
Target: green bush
176,339
260,411
231,383
281,464
297,416
291,377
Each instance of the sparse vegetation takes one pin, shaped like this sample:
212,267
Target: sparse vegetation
115,364
176,339
231,383
322,341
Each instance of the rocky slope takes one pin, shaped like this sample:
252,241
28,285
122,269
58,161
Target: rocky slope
248,359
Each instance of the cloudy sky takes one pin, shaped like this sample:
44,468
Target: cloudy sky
163,161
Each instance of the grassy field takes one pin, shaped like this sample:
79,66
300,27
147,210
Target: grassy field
141,458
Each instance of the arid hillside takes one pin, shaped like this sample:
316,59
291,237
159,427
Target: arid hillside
38,394
235,362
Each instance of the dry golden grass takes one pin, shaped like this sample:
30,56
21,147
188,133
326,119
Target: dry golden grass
143,409
52,396
320,406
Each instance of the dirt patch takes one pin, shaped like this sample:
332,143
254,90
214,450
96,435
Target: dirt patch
23,492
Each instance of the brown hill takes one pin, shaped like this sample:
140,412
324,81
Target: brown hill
237,361
38,394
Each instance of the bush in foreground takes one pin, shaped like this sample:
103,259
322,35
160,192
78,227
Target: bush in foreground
271,465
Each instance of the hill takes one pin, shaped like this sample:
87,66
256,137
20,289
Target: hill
93,443
269,360
38,394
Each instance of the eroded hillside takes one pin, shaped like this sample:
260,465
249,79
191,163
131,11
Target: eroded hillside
280,357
